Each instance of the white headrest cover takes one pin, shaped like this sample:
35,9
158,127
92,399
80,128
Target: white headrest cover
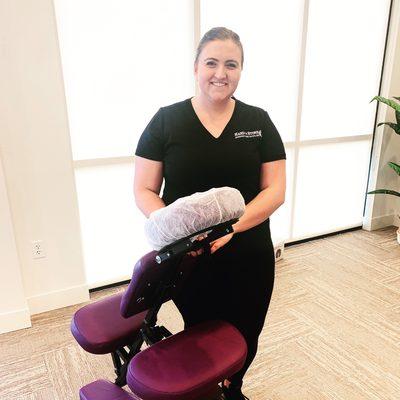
188,215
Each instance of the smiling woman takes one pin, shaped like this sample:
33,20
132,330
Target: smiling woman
213,140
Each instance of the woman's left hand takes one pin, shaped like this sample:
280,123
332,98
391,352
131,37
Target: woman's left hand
222,241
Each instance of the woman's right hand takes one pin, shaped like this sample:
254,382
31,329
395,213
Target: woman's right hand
200,251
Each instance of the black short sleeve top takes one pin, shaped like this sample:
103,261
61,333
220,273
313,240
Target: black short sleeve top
195,161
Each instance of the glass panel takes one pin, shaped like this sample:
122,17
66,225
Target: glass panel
122,60
112,227
271,59
280,219
345,45
331,187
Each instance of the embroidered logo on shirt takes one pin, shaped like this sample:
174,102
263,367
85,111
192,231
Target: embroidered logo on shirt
248,135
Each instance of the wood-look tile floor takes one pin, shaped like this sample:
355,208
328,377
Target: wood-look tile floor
332,331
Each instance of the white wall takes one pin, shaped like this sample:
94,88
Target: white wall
37,157
14,312
382,209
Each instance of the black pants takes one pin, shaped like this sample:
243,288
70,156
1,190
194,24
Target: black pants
234,284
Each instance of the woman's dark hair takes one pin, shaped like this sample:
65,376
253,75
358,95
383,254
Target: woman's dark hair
219,33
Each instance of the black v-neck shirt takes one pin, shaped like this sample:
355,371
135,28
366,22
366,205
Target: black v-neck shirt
195,161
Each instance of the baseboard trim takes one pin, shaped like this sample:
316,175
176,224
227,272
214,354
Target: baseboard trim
58,299
379,222
15,320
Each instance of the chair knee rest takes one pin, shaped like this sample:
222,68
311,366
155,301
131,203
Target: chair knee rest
99,327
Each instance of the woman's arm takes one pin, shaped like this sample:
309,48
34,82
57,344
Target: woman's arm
271,197
147,185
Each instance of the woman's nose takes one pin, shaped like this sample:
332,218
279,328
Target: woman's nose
220,72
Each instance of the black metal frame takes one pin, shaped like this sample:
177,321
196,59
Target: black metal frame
187,244
150,333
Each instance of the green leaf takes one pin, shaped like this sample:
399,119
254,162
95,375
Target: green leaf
398,117
395,127
385,191
395,166
397,98
390,103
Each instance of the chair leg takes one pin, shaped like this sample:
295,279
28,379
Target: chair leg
121,359
117,363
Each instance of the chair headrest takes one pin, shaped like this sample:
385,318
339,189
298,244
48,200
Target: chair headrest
188,215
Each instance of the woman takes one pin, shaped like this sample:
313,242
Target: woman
214,140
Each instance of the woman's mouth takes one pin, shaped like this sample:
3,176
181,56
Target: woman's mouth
218,84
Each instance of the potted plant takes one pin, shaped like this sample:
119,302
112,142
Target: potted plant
396,128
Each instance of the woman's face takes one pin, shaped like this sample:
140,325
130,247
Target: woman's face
218,70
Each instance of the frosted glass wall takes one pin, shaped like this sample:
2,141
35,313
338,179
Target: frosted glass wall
111,225
344,56
330,187
121,61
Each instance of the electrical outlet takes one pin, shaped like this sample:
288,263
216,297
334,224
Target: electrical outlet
38,250
279,248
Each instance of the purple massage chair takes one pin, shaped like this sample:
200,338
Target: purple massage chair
184,366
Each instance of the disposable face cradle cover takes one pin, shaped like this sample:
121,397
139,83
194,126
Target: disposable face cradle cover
191,214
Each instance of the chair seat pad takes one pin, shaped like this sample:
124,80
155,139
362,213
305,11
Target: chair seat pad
100,329
189,364
104,390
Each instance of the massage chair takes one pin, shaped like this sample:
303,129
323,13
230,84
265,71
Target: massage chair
153,362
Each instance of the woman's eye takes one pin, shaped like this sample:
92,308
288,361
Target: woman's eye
210,63
232,66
